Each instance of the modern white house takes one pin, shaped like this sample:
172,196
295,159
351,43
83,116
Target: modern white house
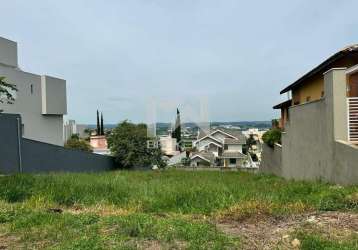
40,99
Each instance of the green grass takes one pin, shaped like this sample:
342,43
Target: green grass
131,210
316,241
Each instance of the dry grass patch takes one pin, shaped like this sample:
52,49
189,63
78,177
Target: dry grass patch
258,209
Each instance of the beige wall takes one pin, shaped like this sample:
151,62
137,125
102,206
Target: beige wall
313,90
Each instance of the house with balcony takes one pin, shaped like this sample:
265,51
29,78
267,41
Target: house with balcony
40,99
320,124
219,147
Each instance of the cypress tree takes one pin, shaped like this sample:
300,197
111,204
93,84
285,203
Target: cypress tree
102,127
177,129
98,126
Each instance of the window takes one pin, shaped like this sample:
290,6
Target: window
232,161
226,147
31,89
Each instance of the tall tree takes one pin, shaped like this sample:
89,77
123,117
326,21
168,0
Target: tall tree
6,91
177,129
128,144
98,126
102,127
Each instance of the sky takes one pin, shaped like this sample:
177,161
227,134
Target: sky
128,57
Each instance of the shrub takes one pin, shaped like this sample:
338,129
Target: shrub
128,144
272,136
76,143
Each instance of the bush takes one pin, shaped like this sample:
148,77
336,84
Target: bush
128,144
76,143
272,136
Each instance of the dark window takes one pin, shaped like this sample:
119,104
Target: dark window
32,89
232,161
225,146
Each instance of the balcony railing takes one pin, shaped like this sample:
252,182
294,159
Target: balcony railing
353,119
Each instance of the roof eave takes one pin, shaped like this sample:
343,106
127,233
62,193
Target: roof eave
315,70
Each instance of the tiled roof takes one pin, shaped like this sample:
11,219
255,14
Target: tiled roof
233,132
206,155
228,154
232,141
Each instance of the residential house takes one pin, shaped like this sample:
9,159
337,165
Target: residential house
40,99
320,124
223,145
202,159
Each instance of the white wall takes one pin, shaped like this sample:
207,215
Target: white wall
236,148
168,145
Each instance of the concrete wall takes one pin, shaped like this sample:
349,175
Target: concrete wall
9,144
28,156
28,102
345,163
271,160
306,145
8,54
43,157
53,92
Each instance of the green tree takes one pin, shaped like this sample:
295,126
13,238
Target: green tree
272,136
76,143
128,144
98,125
6,91
102,126
177,129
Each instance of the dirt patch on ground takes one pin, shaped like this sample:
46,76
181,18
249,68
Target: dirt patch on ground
270,233
7,241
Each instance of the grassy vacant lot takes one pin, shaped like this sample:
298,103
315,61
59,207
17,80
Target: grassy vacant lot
174,210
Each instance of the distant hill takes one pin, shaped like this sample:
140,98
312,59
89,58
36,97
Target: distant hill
242,124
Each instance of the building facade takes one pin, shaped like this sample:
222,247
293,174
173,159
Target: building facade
40,99
319,138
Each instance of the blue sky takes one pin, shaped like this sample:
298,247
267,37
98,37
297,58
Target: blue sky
118,54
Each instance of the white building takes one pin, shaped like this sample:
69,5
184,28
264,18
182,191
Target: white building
70,128
40,99
168,145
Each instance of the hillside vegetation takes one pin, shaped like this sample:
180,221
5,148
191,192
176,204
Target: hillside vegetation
169,210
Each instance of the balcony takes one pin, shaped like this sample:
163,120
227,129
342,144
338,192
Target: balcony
352,104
